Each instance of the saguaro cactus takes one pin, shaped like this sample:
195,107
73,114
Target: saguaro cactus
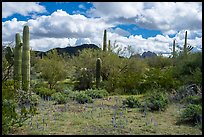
17,62
185,45
26,60
174,50
109,45
98,72
104,41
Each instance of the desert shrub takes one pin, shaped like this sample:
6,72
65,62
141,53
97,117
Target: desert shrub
158,78
59,98
83,98
189,68
159,62
192,114
197,100
157,100
34,99
44,91
132,102
9,115
96,93
83,78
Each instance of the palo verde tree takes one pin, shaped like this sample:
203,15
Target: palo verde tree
52,68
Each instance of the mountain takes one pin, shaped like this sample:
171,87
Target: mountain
72,51
148,54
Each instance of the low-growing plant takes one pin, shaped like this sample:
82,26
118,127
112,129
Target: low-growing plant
59,98
83,98
132,102
42,91
95,93
192,100
157,100
192,114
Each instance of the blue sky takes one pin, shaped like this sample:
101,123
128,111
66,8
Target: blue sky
142,25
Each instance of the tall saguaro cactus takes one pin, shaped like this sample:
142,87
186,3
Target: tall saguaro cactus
185,45
17,62
26,60
109,45
174,50
98,72
104,41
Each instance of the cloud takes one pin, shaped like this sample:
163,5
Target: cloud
168,17
44,44
61,29
22,8
62,25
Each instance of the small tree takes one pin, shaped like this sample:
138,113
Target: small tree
52,68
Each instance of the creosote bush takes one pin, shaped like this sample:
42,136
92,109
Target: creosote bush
59,98
95,93
132,102
157,101
192,114
82,98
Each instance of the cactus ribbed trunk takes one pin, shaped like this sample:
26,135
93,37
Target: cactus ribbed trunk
104,41
174,50
185,45
26,60
98,72
109,45
17,62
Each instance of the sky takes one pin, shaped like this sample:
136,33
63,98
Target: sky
145,26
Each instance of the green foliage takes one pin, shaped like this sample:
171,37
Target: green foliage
59,98
192,100
157,100
83,78
9,55
132,102
159,62
97,93
52,68
158,78
192,113
9,115
189,70
82,98
42,91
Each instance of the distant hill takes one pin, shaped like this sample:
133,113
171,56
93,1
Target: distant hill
147,54
72,51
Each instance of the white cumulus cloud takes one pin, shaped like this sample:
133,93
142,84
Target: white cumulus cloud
23,8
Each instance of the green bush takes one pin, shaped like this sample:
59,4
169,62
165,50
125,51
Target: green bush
96,93
42,91
60,98
132,102
157,101
83,78
197,100
83,98
9,115
192,113
34,99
